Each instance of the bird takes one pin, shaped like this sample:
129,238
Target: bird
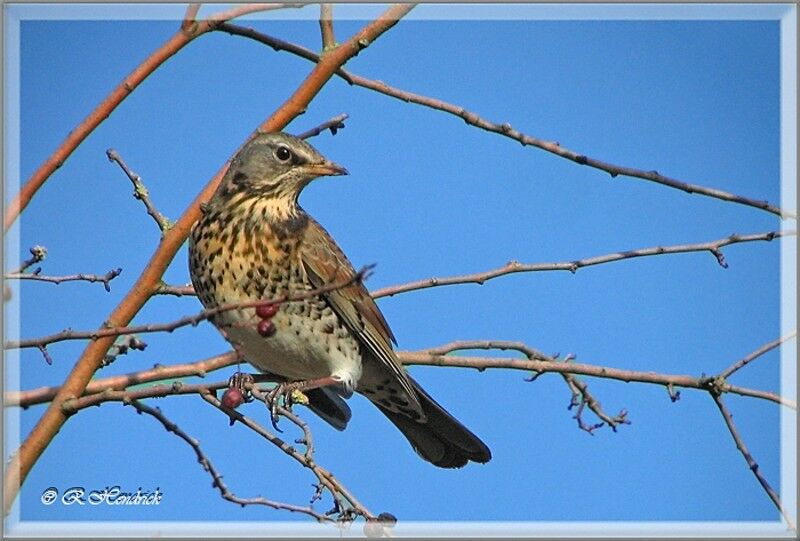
255,242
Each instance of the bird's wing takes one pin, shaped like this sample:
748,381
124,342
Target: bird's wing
325,264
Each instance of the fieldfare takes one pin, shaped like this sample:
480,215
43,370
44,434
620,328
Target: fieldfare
254,242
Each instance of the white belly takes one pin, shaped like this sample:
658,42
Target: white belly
298,351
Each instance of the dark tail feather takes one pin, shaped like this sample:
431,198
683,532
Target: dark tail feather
442,440
330,406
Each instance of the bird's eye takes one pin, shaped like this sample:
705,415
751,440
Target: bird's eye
283,154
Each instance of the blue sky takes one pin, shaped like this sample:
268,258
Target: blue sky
428,196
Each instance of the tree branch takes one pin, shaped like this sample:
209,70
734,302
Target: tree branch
105,279
140,191
182,322
753,465
335,124
769,346
506,130
712,247
670,381
326,26
209,467
42,395
189,30
38,253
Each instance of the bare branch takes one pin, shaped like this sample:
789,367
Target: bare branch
506,130
726,414
209,467
190,18
278,45
104,279
188,31
38,253
177,291
326,26
769,346
203,315
581,397
580,391
157,373
140,191
423,358
573,266
335,124
324,476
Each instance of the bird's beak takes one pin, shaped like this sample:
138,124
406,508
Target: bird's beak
327,168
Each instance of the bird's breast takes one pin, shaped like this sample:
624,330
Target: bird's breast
236,259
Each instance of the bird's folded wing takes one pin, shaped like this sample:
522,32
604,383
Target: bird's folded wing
325,264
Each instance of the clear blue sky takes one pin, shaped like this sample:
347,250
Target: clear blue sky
430,196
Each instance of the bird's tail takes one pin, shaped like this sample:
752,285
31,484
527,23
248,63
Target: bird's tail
440,439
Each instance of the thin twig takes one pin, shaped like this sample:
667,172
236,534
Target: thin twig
580,391
278,45
177,291
769,346
323,475
506,130
104,279
193,320
209,467
326,26
140,191
38,253
726,414
573,266
335,124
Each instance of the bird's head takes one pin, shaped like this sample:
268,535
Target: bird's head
276,166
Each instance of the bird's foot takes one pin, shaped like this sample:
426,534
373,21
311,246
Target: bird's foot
241,381
289,391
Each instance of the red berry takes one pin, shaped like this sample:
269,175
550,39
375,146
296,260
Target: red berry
266,311
233,398
266,328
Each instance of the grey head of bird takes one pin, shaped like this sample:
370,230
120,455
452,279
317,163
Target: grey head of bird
275,166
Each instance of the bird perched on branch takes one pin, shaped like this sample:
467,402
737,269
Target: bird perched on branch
254,242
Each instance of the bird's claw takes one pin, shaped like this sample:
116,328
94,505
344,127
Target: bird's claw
281,390
242,381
